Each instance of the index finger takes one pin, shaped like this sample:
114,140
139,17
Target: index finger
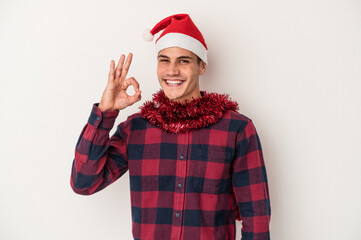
126,66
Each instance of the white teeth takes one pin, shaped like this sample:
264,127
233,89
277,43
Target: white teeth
173,82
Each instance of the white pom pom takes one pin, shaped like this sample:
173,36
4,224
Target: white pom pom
147,36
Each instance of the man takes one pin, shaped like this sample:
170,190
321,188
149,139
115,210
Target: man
195,164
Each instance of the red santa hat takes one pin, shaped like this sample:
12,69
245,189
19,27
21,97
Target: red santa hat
179,31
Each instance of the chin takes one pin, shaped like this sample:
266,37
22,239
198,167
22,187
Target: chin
172,94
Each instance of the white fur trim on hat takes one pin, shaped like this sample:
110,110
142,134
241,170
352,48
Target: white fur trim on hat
182,41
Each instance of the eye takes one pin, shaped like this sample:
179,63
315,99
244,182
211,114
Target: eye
163,60
184,61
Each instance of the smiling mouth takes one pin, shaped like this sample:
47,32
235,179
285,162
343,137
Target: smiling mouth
173,83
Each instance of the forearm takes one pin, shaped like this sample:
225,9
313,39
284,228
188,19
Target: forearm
250,186
98,160
255,212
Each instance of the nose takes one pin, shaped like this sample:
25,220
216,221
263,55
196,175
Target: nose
173,69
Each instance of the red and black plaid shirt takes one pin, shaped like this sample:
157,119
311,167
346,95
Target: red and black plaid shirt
183,186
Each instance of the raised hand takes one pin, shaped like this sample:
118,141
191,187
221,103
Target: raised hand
115,96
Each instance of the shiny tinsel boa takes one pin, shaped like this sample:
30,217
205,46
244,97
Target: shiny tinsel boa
175,117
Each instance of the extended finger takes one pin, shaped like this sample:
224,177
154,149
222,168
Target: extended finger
111,71
119,66
126,66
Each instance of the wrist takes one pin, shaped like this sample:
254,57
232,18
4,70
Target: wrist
103,109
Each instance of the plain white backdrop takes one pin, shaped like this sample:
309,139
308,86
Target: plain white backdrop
293,66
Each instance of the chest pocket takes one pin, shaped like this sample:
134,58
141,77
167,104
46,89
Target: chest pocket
213,171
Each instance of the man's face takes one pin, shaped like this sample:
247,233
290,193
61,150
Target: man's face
178,73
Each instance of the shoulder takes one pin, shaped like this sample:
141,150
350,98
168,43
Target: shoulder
135,122
131,119
132,123
134,116
238,122
236,116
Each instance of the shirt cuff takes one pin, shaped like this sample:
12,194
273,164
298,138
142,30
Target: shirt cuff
104,120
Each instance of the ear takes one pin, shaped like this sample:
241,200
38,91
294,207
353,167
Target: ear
202,68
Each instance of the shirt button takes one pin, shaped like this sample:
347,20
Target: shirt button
180,185
98,118
181,157
177,214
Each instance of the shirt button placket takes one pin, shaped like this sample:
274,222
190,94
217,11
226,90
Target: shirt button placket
181,177
181,157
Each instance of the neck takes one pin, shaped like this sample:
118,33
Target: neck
186,100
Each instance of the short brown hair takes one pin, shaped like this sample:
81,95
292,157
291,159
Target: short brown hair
199,60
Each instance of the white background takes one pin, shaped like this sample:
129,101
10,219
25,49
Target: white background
293,66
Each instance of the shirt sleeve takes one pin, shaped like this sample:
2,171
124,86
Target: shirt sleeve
99,160
250,185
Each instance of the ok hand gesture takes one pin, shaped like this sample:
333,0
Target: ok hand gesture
115,96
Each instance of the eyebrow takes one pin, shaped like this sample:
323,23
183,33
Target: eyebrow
181,57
